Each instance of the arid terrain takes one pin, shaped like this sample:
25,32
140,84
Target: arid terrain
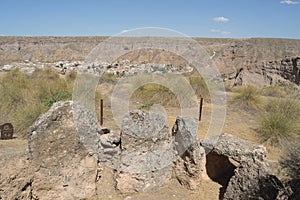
47,151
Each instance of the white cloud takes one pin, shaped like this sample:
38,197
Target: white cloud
289,2
215,30
225,33
124,31
220,32
221,19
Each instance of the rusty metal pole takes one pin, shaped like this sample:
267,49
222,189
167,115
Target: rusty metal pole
101,112
200,108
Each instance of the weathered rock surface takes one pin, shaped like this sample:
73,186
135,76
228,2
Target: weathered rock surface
241,168
63,167
110,149
272,72
190,164
190,167
235,148
147,152
254,180
185,132
16,179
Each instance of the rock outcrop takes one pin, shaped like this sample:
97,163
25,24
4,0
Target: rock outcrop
185,132
68,152
110,149
267,73
189,167
147,152
241,168
63,166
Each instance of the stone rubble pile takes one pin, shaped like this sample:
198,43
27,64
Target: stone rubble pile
120,69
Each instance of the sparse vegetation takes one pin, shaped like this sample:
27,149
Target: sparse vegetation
25,96
280,122
290,162
291,159
108,78
248,97
199,86
156,94
274,91
228,87
162,95
146,106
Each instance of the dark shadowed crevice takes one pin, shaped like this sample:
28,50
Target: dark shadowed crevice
219,169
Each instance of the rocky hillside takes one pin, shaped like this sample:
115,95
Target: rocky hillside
240,61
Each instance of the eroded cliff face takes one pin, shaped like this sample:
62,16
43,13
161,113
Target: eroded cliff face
45,49
268,73
240,61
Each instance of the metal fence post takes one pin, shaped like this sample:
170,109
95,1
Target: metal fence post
200,108
101,112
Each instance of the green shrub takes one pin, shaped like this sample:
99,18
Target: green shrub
146,106
280,122
56,96
248,97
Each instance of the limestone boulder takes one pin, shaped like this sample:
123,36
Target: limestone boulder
241,168
147,152
189,167
63,161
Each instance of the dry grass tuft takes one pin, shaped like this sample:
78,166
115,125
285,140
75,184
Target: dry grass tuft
280,122
248,97
25,96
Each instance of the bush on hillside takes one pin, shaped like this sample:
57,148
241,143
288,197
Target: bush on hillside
274,91
280,122
248,97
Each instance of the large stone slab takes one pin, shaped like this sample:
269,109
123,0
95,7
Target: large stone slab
64,167
242,169
147,152
189,167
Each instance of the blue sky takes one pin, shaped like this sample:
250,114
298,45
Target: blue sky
200,18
